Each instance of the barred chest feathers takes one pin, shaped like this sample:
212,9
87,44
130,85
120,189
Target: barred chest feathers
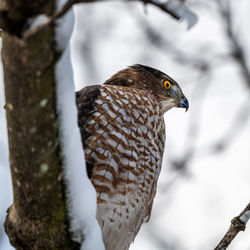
126,145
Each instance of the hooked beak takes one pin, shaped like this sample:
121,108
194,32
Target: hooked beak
183,103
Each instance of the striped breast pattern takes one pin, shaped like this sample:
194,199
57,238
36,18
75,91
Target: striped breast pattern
125,145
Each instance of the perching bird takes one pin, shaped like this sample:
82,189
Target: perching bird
123,136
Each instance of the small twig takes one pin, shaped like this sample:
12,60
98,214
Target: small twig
163,6
237,224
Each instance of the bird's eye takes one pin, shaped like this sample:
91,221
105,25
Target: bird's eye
167,84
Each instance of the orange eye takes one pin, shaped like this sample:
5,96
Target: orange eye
167,84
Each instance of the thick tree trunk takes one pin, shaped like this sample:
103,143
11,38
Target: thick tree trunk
37,219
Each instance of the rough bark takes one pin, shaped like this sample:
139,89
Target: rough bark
37,219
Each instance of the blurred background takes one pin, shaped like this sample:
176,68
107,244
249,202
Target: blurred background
205,178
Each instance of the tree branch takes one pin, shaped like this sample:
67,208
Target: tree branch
174,8
237,224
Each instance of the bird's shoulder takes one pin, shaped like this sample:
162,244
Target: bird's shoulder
85,100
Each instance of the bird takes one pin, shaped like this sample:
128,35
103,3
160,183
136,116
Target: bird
123,137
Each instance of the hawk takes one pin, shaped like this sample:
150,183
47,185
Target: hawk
123,136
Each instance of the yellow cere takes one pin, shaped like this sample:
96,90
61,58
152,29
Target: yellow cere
167,84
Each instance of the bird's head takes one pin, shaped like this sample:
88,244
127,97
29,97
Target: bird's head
163,87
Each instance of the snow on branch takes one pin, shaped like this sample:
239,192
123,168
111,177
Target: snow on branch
81,195
177,9
237,224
